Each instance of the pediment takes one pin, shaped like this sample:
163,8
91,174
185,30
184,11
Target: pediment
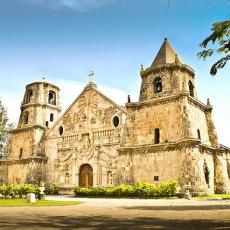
90,111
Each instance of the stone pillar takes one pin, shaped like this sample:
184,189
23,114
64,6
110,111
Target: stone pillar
222,182
211,127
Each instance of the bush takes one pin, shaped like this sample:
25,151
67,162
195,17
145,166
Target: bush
14,191
140,190
51,190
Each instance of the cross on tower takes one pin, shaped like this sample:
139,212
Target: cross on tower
91,74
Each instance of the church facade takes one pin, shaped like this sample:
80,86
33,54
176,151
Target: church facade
167,134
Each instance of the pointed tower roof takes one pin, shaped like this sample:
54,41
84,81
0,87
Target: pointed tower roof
166,55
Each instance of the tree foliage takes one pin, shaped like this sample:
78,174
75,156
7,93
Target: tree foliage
220,37
5,126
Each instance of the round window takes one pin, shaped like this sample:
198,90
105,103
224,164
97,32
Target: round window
61,130
116,121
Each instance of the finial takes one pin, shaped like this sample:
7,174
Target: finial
129,99
43,78
208,102
176,59
166,39
142,68
91,74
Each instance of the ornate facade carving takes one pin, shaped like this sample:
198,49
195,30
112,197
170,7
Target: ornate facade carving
98,143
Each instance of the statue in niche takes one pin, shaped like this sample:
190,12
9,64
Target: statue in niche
109,178
86,147
67,178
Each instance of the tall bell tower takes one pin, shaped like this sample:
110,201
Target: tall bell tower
40,108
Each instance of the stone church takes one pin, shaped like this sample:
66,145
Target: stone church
167,134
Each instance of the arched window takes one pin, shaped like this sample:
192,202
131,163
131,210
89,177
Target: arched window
26,117
191,89
198,134
206,173
157,85
20,153
157,136
47,124
52,98
28,96
51,117
61,130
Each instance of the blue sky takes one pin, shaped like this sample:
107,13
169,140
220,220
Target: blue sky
64,39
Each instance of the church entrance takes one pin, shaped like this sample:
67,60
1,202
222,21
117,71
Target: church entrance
86,176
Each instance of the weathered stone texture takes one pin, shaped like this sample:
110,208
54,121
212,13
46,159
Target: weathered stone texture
167,134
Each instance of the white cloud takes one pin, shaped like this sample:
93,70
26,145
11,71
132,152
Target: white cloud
78,5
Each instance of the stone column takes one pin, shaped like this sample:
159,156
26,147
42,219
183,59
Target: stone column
211,127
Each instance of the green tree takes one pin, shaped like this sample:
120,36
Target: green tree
5,126
220,39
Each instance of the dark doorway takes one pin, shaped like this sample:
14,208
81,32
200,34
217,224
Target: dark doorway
86,176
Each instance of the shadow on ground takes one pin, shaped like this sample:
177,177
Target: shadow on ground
180,208
106,222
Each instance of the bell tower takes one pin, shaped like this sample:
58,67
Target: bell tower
166,76
40,105
40,108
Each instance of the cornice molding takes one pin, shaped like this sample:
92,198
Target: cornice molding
158,68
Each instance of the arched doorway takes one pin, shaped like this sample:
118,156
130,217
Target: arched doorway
86,176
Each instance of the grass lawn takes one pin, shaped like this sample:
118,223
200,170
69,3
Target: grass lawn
23,202
214,196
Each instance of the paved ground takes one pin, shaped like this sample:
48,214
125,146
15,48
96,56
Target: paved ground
120,214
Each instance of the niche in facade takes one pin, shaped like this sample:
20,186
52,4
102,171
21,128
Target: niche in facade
206,173
109,178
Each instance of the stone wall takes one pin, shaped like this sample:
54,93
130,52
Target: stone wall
144,118
30,170
21,141
155,164
222,171
196,116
